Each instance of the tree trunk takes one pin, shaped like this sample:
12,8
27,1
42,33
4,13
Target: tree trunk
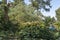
5,10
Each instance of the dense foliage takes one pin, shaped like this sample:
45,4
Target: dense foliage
22,21
58,14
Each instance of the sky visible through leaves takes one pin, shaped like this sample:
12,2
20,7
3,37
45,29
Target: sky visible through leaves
55,5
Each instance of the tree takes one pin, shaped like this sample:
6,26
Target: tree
35,32
48,21
23,14
57,24
23,21
58,14
5,8
5,24
4,1
17,1
38,4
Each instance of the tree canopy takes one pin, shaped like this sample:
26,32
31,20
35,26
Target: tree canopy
27,22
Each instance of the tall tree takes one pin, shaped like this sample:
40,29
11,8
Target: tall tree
6,25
